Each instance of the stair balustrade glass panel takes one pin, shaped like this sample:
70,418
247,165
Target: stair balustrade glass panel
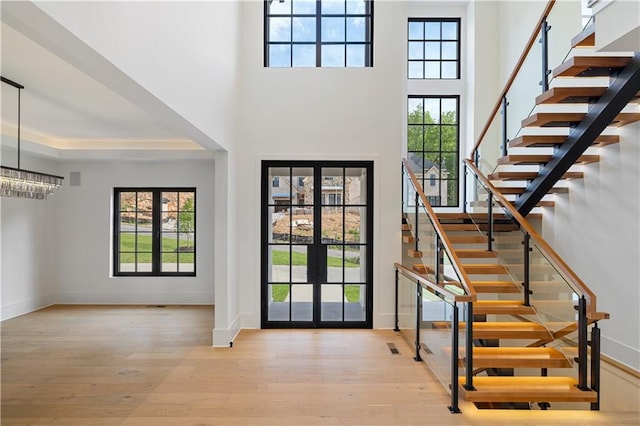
407,309
436,328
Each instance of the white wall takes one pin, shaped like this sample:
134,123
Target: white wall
320,113
84,230
595,228
28,252
184,53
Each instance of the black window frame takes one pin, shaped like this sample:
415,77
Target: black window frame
424,40
156,232
318,43
454,175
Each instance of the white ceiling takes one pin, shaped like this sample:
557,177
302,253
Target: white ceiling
64,110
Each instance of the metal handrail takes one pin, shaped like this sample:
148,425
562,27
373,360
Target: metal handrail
448,247
512,77
433,286
573,280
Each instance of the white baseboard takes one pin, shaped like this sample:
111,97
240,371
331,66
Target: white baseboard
224,337
12,310
151,298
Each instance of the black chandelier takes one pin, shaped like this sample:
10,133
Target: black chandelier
20,183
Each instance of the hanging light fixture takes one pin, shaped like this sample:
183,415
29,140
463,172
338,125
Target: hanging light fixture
20,183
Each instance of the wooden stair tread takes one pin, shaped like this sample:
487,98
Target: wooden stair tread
520,190
541,159
473,227
416,254
519,357
406,227
549,141
408,239
467,239
511,175
477,216
580,95
586,38
526,389
421,268
502,330
543,203
483,268
495,287
475,254
501,307
587,66
566,119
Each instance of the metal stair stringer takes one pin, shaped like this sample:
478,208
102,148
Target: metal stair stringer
621,91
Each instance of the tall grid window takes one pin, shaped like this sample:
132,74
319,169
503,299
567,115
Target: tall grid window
154,231
324,33
433,146
434,48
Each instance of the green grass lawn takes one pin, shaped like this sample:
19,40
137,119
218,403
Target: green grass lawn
279,292
279,257
169,246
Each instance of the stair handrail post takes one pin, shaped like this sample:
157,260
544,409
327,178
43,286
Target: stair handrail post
417,212
397,320
595,364
544,41
402,189
438,256
455,348
490,221
505,137
526,282
582,344
469,348
418,318
464,190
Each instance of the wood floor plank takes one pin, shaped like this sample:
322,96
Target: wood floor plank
137,365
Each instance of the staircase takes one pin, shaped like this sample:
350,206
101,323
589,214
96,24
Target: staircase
523,347
592,96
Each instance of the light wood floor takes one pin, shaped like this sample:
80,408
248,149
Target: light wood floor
112,365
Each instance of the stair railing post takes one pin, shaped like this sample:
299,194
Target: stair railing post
455,348
595,364
397,328
418,318
464,190
544,41
438,254
505,138
416,238
402,207
582,344
526,283
469,348
490,221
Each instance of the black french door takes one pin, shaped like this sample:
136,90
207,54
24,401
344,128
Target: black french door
317,247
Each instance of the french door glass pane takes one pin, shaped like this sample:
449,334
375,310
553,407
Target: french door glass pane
354,262
355,305
279,258
332,225
355,186
280,225
299,261
335,258
278,302
354,226
302,302
331,302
